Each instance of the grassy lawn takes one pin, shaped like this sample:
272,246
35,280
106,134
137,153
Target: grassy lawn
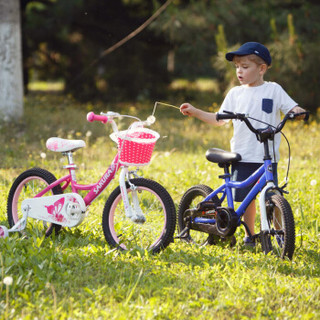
75,275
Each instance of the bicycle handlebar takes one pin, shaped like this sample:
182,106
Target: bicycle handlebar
94,117
230,115
243,117
239,116
108,118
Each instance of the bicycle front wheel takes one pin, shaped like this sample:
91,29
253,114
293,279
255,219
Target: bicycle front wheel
157,206
281,239
27,185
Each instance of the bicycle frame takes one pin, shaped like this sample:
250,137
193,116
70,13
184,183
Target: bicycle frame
263,177
67,148
68,209
94,189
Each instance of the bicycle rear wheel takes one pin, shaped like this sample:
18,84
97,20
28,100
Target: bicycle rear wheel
158,208
281,239
190,199
27,185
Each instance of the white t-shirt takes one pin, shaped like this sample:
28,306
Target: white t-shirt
264,103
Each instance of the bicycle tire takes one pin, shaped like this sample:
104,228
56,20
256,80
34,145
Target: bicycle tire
281,239
156,233
189,200
27,185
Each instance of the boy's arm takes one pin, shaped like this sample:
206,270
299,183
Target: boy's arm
210,117
298,109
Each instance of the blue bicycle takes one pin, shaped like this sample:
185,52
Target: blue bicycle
203,219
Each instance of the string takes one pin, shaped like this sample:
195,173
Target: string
164,104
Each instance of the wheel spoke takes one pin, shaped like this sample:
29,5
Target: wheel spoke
155,232
281,239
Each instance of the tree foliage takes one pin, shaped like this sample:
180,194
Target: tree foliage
62,39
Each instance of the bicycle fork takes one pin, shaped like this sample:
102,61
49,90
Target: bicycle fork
263,210
133,211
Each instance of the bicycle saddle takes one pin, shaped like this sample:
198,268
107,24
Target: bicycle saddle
222,157
64,145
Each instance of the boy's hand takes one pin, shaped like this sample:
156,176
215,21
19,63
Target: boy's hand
187,109
298,109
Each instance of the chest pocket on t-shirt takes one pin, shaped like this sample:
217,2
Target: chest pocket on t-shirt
267,105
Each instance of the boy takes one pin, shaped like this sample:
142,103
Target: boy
261,100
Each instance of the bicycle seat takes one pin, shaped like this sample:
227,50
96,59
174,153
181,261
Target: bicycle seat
64,145
222,157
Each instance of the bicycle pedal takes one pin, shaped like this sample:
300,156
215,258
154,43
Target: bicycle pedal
233,241
212,239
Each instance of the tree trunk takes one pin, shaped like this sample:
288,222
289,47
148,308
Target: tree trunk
11,83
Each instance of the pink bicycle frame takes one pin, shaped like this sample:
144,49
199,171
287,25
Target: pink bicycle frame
94,189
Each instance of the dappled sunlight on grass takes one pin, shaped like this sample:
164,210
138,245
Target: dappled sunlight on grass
211,85
46,86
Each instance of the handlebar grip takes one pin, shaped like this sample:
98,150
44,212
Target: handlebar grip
293,115
94,117
223,116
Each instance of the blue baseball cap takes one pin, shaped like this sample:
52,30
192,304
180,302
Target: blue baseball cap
251,48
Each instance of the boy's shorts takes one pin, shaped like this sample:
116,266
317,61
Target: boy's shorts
241,171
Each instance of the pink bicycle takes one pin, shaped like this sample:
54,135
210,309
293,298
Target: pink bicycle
139,213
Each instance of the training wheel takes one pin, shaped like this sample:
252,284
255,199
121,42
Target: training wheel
3,232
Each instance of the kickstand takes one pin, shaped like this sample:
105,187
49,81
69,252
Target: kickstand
252,236
184,234
247,229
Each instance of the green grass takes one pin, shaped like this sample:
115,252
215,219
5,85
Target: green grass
75,275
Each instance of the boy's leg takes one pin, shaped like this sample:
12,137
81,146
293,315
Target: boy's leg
240,172
249,217
250,213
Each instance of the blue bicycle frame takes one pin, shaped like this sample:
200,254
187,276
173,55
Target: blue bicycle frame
211,216
261,176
